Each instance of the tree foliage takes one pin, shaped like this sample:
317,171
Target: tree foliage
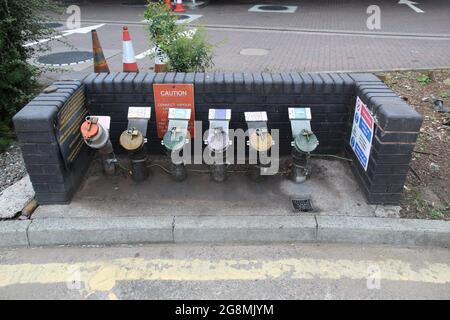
21,22
186,51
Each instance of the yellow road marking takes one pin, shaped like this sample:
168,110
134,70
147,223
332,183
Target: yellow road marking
103,275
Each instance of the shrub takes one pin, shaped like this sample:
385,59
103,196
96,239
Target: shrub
189,53
185,51
21,22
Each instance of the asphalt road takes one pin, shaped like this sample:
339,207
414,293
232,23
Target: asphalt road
325,35
225,272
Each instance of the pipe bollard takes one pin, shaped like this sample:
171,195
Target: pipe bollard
218,142
133,141
175,139
260,141
95,133
305,141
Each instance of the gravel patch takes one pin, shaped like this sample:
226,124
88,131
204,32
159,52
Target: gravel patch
12,167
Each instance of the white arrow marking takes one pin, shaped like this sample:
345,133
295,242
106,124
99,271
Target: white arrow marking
67,33
411,4
145,53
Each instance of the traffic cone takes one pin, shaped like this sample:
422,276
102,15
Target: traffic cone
179,6
100,64
129,59
168,4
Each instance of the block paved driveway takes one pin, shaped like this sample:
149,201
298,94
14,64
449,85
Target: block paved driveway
321,35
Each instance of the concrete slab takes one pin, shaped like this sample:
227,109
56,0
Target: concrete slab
247,229
95,231
14,198
365,230
14,233
331,187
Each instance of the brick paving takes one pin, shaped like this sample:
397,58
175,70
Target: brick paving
423,40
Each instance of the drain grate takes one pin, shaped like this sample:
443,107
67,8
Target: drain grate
273,8
302,205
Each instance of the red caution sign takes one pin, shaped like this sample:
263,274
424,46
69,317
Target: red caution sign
173,96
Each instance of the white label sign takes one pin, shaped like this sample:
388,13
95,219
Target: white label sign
362,133
255,116
139,112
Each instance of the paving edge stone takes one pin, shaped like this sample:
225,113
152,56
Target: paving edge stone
100,231
224,229
13,233
245,229
367,230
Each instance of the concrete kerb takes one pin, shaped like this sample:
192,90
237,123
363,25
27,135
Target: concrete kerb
219,229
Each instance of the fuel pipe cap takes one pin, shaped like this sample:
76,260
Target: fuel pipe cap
89,128
261,140
174,139
306,141
131,139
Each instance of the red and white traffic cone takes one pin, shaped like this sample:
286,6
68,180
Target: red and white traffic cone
179,6
129,58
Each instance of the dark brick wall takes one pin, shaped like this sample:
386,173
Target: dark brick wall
331,98
35,126
397,126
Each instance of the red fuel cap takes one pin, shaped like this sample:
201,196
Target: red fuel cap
89,129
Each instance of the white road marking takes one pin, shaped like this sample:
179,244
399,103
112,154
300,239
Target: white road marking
411,4
145,54
65,34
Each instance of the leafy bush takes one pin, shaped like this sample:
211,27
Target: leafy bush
189,53
184,50
21,22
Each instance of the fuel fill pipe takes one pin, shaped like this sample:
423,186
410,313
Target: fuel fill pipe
96,135
133,141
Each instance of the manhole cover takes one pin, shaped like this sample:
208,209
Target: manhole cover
53,25
273,8
253,52
65,58
302,205
183,17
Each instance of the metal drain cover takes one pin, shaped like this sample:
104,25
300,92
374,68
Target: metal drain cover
65,58
302,205
276,8
273,8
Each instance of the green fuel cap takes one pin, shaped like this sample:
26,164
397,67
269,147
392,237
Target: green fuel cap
174,139
306,141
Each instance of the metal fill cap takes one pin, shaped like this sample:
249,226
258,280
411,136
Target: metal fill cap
131,140
218,142
306,141
174,140
261,141
89,129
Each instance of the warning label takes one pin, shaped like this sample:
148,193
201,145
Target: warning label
173,96
362,133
